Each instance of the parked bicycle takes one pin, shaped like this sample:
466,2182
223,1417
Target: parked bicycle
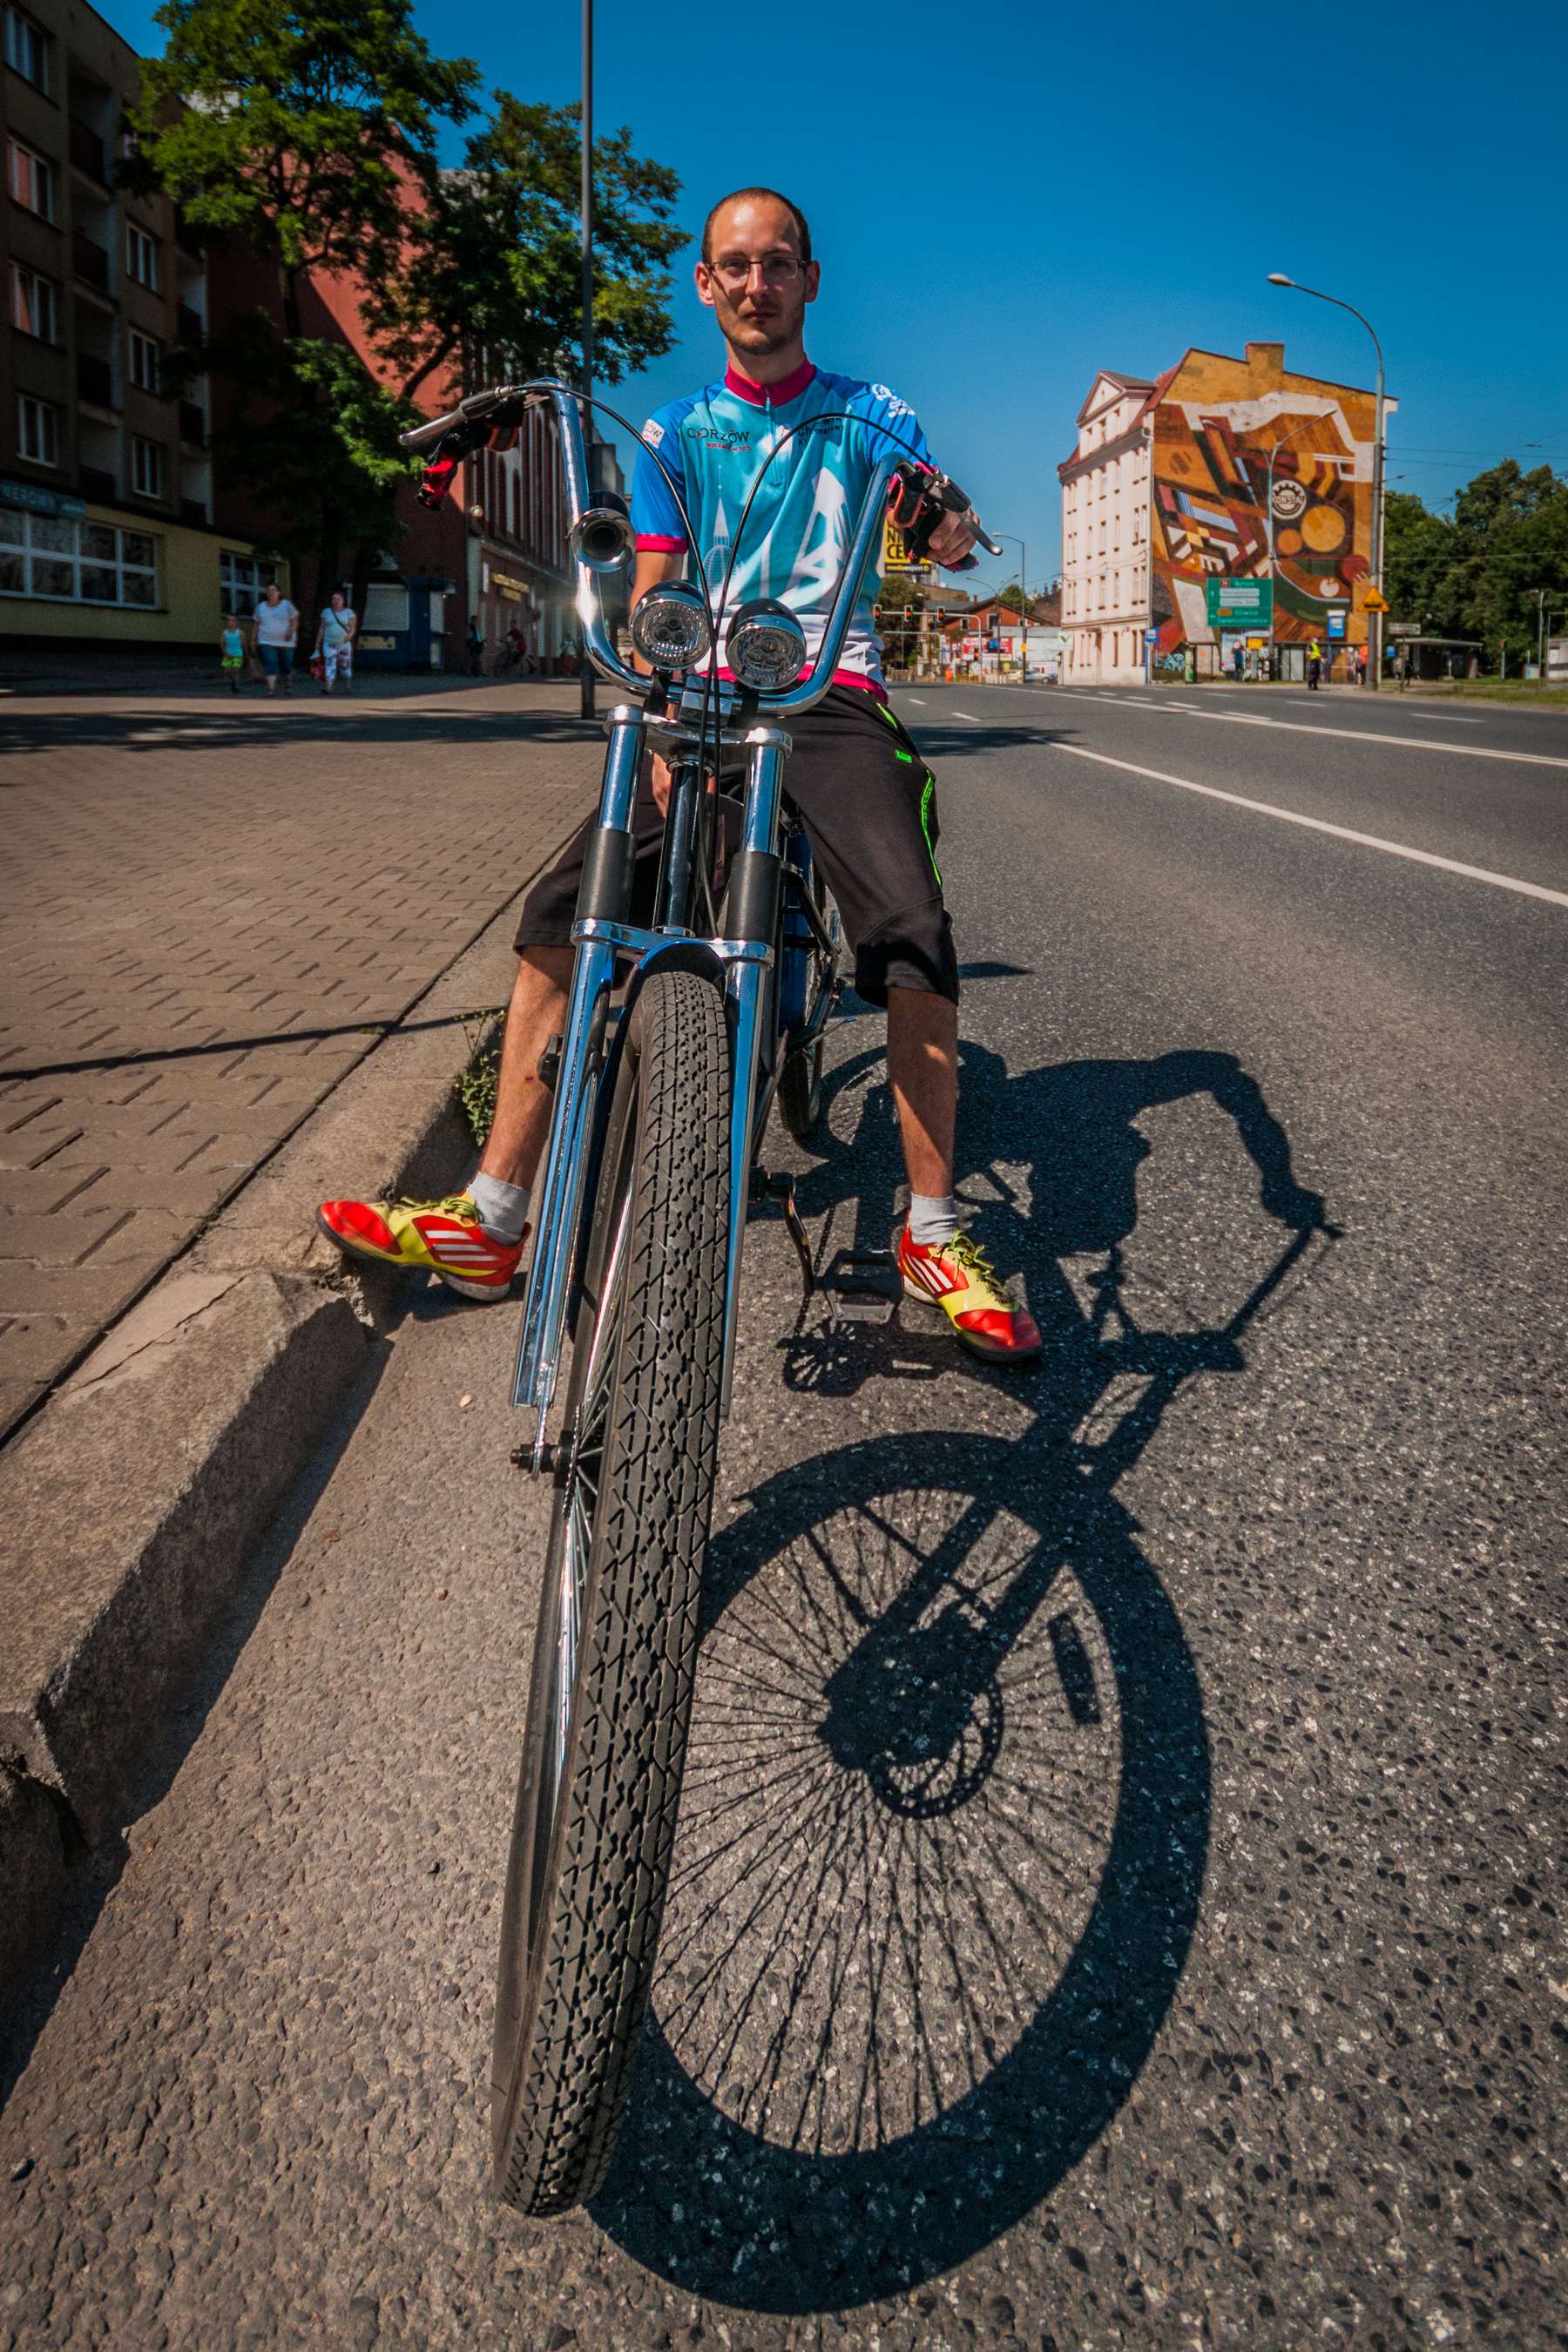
678,1039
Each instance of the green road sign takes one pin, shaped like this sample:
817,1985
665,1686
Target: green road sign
1240,603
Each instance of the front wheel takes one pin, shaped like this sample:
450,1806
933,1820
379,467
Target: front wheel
616,1651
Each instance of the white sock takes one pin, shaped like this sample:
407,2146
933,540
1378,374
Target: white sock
503,1207
933,1218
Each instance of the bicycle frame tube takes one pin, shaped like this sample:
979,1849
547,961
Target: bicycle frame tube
755,897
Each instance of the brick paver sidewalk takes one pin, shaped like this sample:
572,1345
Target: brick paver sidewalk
207,913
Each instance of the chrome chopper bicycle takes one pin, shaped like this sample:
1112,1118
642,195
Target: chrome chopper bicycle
677,1039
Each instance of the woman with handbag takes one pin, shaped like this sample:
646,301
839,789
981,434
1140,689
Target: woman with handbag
335,642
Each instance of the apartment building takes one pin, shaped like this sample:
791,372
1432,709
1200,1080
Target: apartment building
1167,497
108,531
1105,532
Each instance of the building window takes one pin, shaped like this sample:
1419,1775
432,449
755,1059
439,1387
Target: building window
37,430
82,562
147,468
27,48
146,362
141,256
31,180
241,578
33,305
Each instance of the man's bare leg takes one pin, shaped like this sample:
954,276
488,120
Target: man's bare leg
538,1009
922,1068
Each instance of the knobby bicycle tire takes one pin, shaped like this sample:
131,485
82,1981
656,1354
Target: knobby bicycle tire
587,1873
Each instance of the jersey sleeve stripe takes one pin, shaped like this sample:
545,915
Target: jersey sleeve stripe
652,543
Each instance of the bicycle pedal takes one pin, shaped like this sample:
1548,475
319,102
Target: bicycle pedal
862,1286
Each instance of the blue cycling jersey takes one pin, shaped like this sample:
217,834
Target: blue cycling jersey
797,535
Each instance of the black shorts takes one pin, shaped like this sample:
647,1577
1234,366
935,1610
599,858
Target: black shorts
867,801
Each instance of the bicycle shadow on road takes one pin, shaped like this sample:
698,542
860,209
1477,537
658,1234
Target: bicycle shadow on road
946,1814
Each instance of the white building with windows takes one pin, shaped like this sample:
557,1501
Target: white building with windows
1106,497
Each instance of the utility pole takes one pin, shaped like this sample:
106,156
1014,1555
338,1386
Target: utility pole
1540,596
1023,602
1375,619
587,195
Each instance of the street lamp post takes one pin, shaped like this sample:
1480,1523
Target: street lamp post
1273,455
1375,633
1023,602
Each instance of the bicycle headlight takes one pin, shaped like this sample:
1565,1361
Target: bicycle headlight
766,647
669,626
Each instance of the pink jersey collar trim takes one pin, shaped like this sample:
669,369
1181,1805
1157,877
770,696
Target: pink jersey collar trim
769,396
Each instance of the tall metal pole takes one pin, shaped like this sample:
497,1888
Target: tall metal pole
1374,634
1023,602
587,214
1375,619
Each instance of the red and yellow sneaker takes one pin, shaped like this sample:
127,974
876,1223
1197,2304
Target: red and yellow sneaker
442,1237
956,1275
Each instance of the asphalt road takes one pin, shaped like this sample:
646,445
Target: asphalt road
1200,1981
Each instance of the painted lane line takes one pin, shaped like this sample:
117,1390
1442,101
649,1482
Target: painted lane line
1319,824
914,698
967,714
1366,735
1425,718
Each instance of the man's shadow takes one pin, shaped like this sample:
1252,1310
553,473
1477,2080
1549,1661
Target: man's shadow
945,1822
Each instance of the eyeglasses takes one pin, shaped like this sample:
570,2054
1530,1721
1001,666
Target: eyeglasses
777,269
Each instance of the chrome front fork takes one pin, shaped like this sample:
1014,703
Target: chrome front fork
743,962
566,1155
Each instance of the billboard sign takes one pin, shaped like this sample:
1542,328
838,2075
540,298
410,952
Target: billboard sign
1239,604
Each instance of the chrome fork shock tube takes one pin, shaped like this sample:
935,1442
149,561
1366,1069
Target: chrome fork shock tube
606,881
752,920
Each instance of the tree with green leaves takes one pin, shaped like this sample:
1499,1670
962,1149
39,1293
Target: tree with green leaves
1476,575
491,263
1420,551
311,132
308,130
305,129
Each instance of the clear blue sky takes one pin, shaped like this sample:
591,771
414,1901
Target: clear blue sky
1090,188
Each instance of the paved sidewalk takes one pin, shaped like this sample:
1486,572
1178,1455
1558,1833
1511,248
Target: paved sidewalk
208,917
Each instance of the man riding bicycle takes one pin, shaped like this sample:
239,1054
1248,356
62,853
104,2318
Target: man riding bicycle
862,792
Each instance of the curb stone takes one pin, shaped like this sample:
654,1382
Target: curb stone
134,1498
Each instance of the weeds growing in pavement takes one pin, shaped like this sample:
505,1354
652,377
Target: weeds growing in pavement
477,1081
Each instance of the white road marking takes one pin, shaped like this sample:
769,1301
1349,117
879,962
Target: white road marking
969,715
914,698
1368,735
1319,824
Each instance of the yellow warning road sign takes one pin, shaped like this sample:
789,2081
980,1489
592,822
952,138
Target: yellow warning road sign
1374,600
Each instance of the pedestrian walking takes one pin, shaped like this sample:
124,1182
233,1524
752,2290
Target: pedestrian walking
335,634
1238,662
1314,665
231,642
476,648
274,633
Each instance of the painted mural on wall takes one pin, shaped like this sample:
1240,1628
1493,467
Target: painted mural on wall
1212,441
